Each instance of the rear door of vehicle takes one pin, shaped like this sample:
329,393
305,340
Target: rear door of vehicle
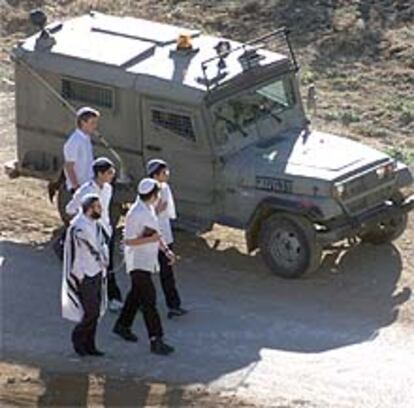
174,133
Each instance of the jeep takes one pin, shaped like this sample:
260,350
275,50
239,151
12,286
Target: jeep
229,119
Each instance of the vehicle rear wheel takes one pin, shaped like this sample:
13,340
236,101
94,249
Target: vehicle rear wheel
289,246
388,231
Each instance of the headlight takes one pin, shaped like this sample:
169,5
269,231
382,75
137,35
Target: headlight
385,171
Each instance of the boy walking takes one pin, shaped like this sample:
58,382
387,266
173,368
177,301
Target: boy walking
78,151
158,170
142,242
103,175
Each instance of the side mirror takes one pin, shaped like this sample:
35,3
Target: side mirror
311,100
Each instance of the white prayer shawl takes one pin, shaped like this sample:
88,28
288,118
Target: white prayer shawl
77,237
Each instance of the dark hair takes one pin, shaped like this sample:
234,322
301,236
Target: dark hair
101,165
158,170
148,196
86,205
84,117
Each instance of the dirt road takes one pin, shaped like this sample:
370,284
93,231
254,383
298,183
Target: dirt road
343,337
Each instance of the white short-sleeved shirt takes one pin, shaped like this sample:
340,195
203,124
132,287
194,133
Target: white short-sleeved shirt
105,195
143,257
78,149
168,214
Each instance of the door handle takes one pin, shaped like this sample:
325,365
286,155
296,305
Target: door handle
154,148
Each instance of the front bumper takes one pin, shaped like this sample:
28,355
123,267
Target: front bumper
353,226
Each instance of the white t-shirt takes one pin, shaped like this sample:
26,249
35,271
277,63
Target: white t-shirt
105,195
78,149
168,214
143,257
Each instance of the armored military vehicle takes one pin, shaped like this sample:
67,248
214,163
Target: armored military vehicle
229,119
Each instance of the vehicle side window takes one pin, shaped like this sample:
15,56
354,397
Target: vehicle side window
94,94
180,125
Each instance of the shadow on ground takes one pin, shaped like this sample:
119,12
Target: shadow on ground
238,310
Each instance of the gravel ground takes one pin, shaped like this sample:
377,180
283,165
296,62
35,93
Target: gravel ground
343,337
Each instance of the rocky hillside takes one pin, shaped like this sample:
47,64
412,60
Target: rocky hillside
359,53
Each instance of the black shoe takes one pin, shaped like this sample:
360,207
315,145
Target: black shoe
80,352
96,352
160,348
125,333
176,312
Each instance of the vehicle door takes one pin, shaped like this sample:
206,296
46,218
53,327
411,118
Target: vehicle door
174,133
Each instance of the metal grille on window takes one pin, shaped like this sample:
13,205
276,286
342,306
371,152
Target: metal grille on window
179,124
91,94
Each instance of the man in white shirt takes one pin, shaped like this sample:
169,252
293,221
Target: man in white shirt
158,170
142,242
103,175
84,272
77,150
77,169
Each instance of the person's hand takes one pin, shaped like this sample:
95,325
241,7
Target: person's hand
161,206
73,189
172,257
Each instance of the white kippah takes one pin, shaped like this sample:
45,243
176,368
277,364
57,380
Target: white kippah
154,164
146,185
101,161
88,199
86,109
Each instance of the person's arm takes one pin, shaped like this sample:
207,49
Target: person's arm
161,207
70,171
70,153
131,237
142,240
74,204
167,251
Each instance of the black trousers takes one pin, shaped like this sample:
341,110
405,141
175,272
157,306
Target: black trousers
114,293
172,298
83,335
142,295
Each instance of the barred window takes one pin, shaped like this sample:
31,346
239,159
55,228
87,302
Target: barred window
181,125
88,93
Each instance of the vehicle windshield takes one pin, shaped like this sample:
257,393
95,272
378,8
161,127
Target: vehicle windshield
234,117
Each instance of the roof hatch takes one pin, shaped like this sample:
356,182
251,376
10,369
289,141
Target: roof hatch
158,33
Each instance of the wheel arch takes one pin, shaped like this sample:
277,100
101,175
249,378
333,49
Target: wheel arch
269,206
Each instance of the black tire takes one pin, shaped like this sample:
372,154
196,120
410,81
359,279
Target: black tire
288,245
386,232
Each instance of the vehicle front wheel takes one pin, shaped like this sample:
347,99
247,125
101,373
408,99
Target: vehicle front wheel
387,231
288,245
